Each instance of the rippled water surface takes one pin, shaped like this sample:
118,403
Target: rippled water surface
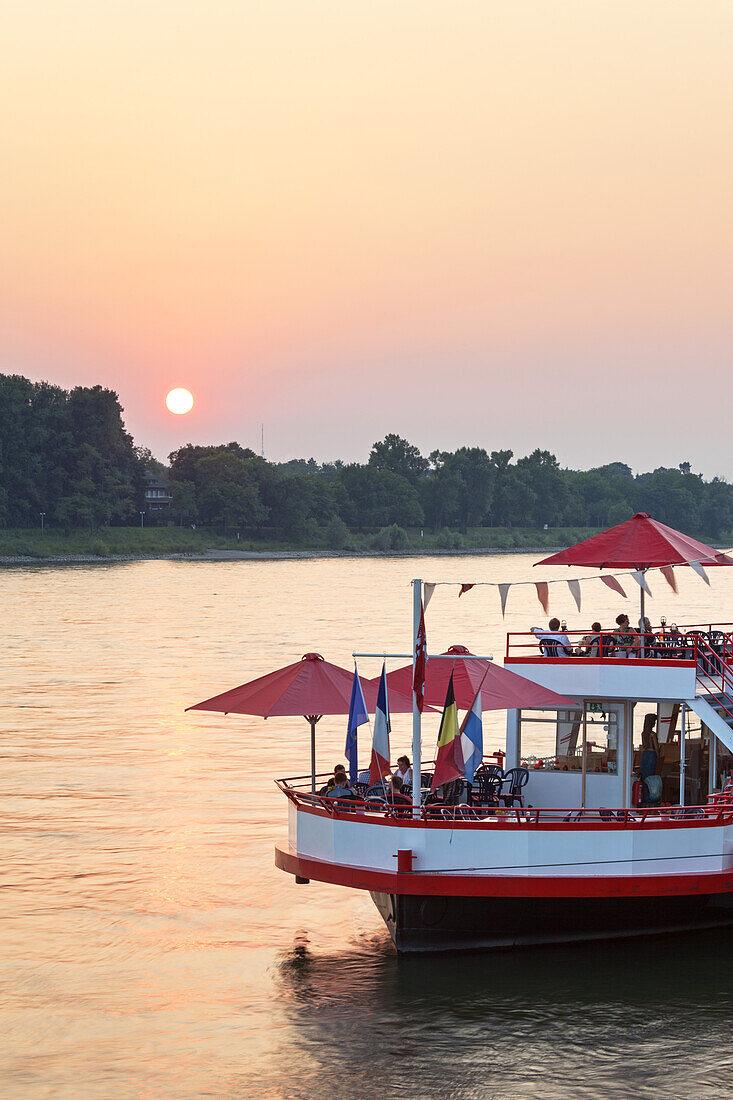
148,946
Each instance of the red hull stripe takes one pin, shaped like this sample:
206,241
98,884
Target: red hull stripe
503,886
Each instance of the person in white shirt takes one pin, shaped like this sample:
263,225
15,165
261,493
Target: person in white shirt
554,635
403,771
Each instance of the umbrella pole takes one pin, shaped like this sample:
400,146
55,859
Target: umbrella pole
313,718
641,627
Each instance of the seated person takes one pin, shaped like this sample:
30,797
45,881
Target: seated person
646,636
395,795
625,639
403,771
338,779
554,635
340,788
590,644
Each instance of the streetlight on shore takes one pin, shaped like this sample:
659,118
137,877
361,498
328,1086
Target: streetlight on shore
142,519
43,516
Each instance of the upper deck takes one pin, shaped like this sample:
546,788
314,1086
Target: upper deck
666,665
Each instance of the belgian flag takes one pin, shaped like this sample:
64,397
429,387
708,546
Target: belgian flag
449,761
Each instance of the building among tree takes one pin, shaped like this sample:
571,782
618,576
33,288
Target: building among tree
157,497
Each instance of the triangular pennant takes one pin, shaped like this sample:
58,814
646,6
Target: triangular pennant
638,575
614,585
699,570
464,588
503,593
428,589
668,573
574,587
543,595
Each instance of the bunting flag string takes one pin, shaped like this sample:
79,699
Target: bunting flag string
543,587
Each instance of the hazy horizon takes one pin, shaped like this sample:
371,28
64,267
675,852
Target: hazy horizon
503,226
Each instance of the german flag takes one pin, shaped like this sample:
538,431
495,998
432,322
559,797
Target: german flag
449,761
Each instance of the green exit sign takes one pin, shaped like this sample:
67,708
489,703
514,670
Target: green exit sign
595,708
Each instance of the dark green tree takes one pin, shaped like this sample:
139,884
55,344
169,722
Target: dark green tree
398,456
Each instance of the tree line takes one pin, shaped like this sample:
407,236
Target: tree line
452,490
67,454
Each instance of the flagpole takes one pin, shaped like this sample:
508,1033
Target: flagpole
416,716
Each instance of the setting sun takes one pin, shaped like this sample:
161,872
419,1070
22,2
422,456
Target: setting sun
179,401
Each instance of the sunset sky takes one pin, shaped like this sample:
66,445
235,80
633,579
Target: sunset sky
506,224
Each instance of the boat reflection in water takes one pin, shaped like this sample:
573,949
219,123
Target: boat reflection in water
573,1021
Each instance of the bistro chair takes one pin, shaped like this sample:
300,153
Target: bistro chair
490,769
672,647
717,644
344,802
703,658
452,792
516,778
486,788
399,804
549,647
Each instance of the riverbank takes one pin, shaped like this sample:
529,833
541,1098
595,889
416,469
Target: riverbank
115,544
204,544
266,555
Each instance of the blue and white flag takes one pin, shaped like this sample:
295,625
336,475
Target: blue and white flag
379,763
357,717
472,738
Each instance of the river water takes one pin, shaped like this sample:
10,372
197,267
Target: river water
149,948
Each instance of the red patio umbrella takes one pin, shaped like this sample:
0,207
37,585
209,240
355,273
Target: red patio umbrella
311,687
639,543
500,688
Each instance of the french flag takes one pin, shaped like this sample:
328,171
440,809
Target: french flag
379,763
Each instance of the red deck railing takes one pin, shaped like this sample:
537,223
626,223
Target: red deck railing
690,644
718,811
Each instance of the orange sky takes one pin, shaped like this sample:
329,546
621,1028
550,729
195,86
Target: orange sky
504,224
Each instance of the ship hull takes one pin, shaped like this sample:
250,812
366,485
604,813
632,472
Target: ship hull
420,924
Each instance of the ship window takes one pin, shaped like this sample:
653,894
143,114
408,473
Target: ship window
553,740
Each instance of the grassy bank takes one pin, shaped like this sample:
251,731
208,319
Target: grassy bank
153,541
165,541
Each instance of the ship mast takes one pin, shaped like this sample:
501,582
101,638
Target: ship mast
416,716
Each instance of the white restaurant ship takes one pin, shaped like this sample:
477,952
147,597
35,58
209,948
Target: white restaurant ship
579,851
